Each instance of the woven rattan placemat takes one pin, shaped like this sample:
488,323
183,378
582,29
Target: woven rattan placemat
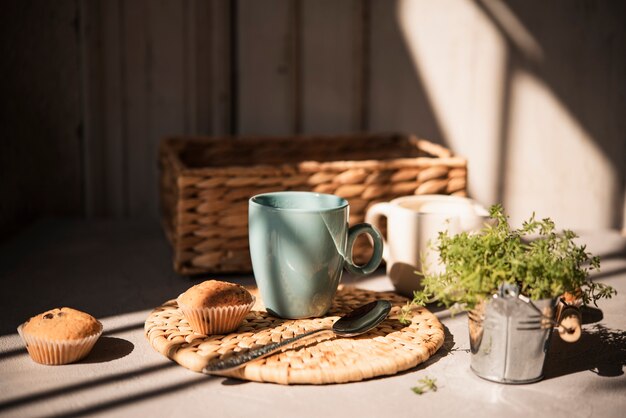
388,349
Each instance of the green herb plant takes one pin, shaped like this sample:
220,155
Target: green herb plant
540,261
426,384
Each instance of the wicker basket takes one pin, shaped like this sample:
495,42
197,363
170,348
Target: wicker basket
206,184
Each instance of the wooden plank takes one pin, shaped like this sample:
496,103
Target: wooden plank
362,47
220,50
151,69
155,97
137,79
166,68
265,68
207,66
330,72
562,113
113,145
167,93
398,100
92,97
191,12
40,158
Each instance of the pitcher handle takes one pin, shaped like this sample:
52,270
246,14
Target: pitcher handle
373,217
377,256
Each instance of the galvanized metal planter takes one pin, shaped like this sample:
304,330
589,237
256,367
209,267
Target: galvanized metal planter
509,336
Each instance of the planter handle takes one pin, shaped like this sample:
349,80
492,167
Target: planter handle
568,321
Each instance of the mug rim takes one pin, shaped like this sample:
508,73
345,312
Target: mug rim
343,203
439,197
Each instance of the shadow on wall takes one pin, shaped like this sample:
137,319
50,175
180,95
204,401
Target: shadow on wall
586,78
398,94
456,80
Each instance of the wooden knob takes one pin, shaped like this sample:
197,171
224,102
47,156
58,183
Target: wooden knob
570,328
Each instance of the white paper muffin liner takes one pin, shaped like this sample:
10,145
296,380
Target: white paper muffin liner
55,352
217,320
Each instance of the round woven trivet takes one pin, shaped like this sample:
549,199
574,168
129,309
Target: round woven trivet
389,348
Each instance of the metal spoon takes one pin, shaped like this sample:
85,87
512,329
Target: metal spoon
357,322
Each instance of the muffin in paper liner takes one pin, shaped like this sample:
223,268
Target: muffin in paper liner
57,352
215,320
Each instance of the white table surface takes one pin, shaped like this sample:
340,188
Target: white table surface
118,271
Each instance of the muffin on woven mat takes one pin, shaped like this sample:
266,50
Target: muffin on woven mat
60,335
215,307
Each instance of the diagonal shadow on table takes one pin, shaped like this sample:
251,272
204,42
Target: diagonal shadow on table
81,386
600,350
12,353
607,274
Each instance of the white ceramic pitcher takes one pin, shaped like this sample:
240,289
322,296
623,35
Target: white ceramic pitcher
413,224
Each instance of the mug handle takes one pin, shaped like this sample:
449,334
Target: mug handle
377,256
373,216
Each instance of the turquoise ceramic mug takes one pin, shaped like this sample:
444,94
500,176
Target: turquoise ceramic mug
299,243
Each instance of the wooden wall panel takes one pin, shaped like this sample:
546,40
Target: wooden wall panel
331,66
154,69
113,110
207,66
398,99
219,49
563,113
96,84
266,67
103,41
41,156
140,54
92,63
156,94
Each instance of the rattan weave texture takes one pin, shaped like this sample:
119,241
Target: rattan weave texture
388,349
206,184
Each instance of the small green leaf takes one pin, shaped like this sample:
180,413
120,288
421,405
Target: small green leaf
426,384
417,390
